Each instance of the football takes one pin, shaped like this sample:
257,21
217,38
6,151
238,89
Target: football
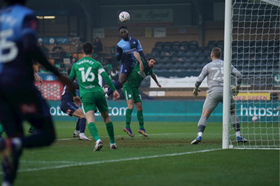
124,16
254,119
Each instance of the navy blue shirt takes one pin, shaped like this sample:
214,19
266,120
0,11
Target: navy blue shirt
125,50
67,95
15,22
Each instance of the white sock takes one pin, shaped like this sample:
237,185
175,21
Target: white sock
199,134
237,134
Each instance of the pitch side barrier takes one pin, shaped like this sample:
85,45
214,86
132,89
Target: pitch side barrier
179,110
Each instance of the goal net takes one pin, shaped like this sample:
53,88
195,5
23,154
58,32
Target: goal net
255,33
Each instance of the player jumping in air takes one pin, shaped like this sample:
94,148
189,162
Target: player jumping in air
215,80
125,48
86,70
132,94
19,98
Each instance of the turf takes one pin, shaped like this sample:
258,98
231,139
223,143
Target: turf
165,158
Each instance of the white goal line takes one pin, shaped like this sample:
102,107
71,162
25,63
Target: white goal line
75,164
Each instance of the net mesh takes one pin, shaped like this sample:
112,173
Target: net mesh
255,53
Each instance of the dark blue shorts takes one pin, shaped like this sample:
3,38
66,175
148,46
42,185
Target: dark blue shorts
125,69
22,101
68,107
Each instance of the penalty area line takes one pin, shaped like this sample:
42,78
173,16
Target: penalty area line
75,164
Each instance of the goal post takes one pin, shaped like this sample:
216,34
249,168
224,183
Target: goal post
251,45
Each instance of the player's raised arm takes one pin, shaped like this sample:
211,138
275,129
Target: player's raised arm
199,80
119,53
155,79
137,56
140,50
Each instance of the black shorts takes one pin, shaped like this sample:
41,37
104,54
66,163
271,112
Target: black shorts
68,107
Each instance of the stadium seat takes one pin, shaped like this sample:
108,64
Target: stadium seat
159,43
175,44
211,43
149,55
173,51
156,51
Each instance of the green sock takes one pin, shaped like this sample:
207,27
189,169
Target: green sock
140,119
93,131
128,118
110,131
1,130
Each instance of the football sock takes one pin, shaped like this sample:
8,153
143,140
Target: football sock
140,119
235,122
93,131
82,123
128,118
110,131
201,124
117,84
78,124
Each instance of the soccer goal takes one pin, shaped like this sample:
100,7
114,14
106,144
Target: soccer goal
252,32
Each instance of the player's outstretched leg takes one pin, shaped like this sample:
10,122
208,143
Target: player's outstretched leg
77,130
141,123
236,125
127,128
110,131
82,124
201,127
94,132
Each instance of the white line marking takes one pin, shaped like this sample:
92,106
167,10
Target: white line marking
108,161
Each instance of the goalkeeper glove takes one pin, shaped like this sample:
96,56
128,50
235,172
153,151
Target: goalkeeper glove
235,90
195,91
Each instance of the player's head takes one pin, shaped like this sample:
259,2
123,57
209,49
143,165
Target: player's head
13,2
87,48
216,53
151,62
123,32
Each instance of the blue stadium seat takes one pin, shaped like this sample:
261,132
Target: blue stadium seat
149,55
159,43
156,51
211,44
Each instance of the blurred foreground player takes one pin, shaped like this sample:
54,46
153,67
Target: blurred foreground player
19,98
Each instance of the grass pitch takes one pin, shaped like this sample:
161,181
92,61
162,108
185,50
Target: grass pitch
165,158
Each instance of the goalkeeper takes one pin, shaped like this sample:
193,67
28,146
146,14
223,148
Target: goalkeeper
214,71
